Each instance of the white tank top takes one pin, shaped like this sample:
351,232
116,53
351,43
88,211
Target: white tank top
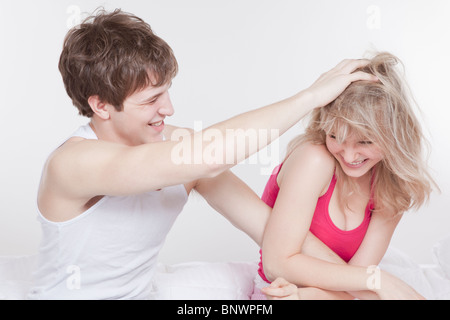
109,251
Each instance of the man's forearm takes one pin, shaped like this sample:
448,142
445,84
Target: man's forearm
231,141
279,116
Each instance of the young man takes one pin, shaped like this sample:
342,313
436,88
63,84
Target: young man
110,194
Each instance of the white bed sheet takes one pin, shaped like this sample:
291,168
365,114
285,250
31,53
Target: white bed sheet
234,280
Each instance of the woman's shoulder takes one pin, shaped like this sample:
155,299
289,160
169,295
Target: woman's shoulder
311,154
310,160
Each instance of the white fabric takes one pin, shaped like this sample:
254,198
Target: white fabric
221,281
85,132
441,255
15,276
204,281
428,280
225,281
259,284
108,252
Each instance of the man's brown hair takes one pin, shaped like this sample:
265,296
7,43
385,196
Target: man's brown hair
111,55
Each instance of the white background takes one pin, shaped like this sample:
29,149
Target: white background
234,55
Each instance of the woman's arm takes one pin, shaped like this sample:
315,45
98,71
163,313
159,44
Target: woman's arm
376,240
374,247
307,173
369,253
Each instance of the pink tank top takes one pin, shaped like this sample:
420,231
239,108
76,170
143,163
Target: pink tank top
345,243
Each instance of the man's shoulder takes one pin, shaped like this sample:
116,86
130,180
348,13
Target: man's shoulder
60,153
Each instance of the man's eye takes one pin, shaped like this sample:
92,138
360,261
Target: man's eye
150,102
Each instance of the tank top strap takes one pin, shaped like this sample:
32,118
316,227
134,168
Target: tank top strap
331,186
85,132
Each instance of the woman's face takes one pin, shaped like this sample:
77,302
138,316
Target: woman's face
355,155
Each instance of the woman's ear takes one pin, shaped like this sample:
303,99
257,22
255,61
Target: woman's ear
100,108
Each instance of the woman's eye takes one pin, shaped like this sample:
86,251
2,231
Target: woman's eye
365,142
332,136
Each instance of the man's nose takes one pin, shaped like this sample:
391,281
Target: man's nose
167,107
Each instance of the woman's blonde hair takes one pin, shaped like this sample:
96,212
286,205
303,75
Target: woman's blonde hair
381,112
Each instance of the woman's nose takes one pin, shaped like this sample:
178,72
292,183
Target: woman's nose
350,155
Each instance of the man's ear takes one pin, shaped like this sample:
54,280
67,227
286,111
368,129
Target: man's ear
100,108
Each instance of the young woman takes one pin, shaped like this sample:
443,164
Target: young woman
346,182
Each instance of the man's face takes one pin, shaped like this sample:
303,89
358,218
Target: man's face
142,118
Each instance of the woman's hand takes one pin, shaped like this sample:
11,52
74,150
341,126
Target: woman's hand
332,83
391,288
281,289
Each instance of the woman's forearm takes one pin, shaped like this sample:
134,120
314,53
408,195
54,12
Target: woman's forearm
314,247
307,271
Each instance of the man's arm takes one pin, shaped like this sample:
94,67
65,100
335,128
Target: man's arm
237,202
82,169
